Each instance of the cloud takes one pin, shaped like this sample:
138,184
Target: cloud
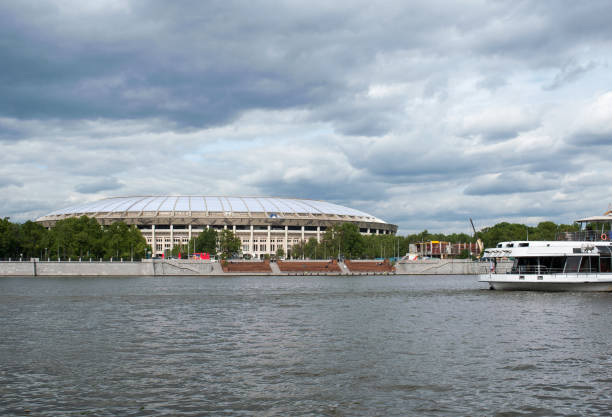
423,115
499,123
94,187
509,183
6,182
570,72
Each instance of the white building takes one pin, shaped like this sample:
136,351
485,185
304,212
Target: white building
263,224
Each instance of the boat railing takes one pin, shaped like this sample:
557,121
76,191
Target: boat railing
541,270
585,236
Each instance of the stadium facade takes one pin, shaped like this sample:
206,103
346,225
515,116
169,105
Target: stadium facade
263,224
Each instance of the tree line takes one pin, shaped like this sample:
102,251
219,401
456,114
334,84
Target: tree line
72,238
346,241
84,237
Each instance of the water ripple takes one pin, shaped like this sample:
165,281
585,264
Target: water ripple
309,346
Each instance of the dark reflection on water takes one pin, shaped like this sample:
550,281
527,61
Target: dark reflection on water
300,346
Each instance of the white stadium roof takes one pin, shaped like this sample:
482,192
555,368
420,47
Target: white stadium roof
186,205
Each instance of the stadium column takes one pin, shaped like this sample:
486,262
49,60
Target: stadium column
190,233
318,234
302,233
171,237
286,248
152,240
269,241
251,244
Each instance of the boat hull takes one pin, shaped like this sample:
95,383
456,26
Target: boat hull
582,282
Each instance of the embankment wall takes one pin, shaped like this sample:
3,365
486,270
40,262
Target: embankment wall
86,268
448,267
173,267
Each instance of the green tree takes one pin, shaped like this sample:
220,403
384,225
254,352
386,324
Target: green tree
298,250
9,239
280,252
32,239
122,241
352,241
179,249
75,237
206,242
311,248
229,243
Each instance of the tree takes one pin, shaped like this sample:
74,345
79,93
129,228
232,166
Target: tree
9,239
298,250
280,252
32,239
229,243
206,242
75,237
352,241
123,241
311,248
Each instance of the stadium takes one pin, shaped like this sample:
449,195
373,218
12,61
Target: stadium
263,224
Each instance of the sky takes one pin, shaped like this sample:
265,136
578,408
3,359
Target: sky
422,113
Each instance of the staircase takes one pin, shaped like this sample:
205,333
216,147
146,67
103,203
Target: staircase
275,269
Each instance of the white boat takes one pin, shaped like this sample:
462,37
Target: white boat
576,261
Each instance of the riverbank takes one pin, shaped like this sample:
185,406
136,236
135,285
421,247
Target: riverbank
182,267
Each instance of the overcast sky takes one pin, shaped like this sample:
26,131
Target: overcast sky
423,113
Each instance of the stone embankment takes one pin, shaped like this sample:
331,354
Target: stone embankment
175,267
449,267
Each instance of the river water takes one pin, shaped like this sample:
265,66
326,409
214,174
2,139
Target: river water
307,346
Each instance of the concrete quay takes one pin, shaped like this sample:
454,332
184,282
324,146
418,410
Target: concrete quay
449,267
116,268
182,267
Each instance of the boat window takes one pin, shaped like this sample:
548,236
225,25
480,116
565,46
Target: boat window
605,264
523,245
585,265
604,250
526,265
499,245
572,263
510,245
551,264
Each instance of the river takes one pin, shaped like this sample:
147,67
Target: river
300,346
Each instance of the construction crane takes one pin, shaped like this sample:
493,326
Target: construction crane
478,240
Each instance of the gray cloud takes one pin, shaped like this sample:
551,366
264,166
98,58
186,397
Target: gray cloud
569,72
106,184
509,184
5,182
592,139
417,114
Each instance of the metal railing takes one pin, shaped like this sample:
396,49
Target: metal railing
543,270
585,236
